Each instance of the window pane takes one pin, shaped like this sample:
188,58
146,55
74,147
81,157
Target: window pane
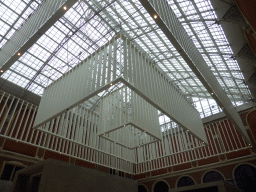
7,172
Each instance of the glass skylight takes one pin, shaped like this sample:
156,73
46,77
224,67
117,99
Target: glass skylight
200,22
13,14
90,24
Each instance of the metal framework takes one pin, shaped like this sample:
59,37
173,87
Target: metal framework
48,12
169,23
100,71
127,119
105,18
176,146
81,30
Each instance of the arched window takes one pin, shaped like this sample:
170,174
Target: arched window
185,181
161,186
245,176
212,176
141,188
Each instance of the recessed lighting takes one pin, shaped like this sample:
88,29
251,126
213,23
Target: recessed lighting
155,16
111,84
1,71
65,8
212,93
19,54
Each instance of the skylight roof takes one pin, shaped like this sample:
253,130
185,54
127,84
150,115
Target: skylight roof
209,38
13,14
90,24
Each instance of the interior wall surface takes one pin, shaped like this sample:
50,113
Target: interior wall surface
196,175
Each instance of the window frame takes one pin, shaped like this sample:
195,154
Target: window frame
15,164
203,176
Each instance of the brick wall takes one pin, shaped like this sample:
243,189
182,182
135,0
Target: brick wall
18,147
248,8
249,118
227,171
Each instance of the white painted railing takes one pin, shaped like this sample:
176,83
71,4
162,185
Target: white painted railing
74,134
119,61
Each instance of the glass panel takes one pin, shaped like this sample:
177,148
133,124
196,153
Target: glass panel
88,25
7,172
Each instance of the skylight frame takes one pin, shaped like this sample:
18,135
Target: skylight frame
212,56
144,33
148,37
64,63
22,14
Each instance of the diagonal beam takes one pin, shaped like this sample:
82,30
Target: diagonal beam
43,18
175,32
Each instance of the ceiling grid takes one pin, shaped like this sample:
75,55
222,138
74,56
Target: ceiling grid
86,26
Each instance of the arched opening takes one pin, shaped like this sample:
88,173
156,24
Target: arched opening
185,181
212,176
245,176
141,188
161,186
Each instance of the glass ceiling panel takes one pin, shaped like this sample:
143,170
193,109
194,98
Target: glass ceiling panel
211,41
13,14
60,48
90,24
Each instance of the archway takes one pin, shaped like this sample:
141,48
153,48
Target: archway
245,177
212,176
161,186
142,188
185,181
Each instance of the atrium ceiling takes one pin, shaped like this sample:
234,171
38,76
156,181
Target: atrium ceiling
88,25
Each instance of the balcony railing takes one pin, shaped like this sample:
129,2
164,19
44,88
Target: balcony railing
176,147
